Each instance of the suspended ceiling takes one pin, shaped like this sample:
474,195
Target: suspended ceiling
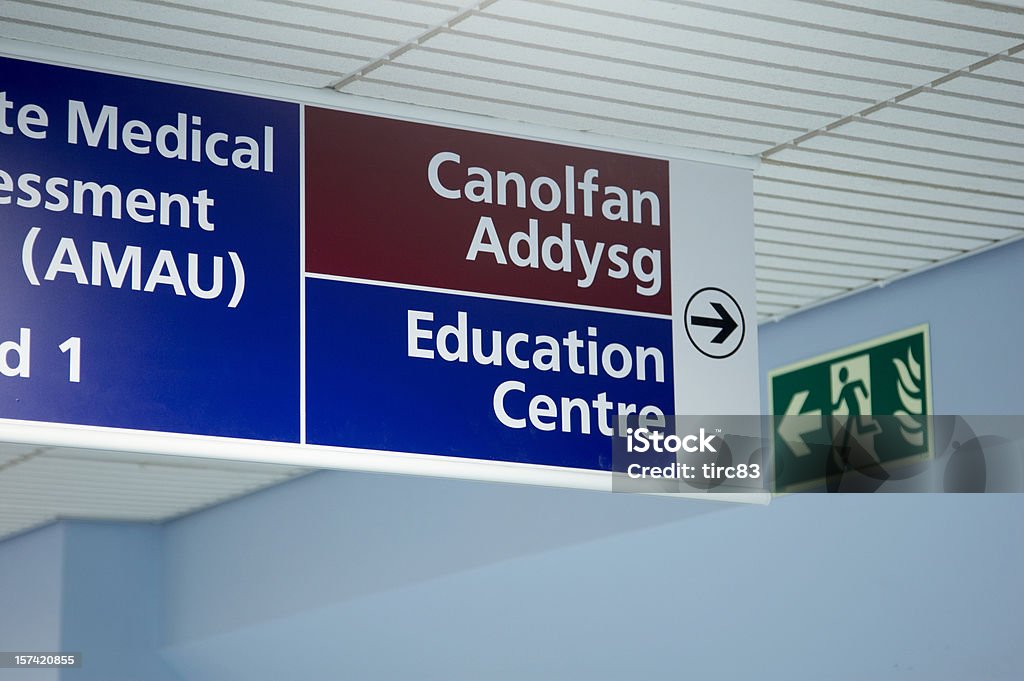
41,484
891,135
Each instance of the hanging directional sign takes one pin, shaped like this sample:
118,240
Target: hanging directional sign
873,397
190,262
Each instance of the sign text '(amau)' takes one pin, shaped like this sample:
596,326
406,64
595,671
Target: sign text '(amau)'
184,139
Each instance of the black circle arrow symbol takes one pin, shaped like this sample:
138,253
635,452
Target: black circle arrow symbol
714,308
724,322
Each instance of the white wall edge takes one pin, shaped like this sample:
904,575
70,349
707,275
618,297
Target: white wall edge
325,97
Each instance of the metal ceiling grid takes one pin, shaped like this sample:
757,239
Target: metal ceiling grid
891,134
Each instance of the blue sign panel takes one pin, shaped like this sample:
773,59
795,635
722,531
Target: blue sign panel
149,255
439,373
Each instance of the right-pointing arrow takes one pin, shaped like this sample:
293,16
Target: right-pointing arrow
795,425
724,322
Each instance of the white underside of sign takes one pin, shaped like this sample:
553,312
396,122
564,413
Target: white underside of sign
330,458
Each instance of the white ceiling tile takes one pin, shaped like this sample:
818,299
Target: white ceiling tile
825,145
507,111
767,298
1001,209
566,25
1005,69
677,75
830,240
766,26
555,116
262,19
811,291
817,267
801,276
793,199
810,227
713,62
9,450
360,15
640,112
895,23
905,171
898,137
861,257
276,72
972,86
960,14
962,221
936,122
651,98
187,39
765,310
1006,113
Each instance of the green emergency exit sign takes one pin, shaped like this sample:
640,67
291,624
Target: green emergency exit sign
851,409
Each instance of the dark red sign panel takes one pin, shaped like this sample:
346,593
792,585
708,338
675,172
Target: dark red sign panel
426,205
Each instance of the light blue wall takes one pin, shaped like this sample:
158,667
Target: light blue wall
331,538
374,577
86,587
30,597
809,588
113,601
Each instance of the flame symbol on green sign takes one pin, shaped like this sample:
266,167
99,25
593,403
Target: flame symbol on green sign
909,389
